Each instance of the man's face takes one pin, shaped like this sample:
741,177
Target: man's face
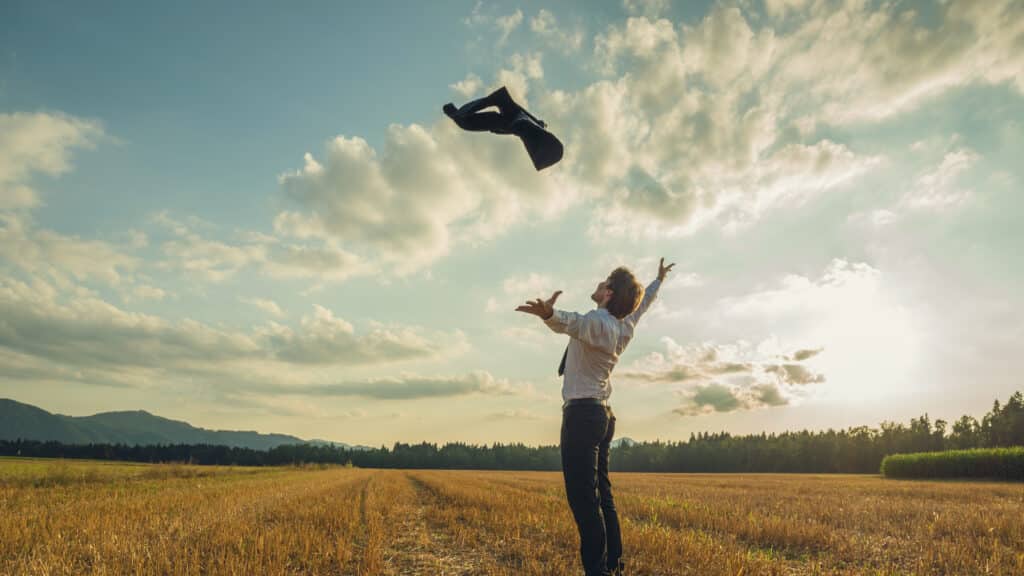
602,294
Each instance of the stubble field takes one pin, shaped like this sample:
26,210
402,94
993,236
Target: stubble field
67,517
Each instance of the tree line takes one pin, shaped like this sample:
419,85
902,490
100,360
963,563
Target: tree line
854,450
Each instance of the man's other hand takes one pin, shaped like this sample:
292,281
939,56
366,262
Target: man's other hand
542,308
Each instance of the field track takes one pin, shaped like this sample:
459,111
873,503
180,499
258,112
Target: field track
66,517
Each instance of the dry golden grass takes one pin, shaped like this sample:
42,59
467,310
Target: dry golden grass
102,518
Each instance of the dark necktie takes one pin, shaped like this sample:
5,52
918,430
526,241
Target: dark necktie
561,367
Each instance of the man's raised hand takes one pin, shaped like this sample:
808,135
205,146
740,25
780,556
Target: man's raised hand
663,270
541,308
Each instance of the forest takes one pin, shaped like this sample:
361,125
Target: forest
853,450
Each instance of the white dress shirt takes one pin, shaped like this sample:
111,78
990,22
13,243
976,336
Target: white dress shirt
597,340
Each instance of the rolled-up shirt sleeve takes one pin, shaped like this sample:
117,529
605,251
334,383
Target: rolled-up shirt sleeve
584,327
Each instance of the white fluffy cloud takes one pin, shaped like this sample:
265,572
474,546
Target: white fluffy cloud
717,122
42,144
856,61
468,86
299,254
711,124
685,133
323,338
38,143
427,191
102,344
64,259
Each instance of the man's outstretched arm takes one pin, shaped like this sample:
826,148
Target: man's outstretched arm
579,326
650,293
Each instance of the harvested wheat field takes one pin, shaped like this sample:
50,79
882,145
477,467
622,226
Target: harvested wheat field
66,517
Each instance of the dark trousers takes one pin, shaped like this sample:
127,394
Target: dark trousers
469,117
543,147
587,432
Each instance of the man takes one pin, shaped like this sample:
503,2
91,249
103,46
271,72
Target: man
597,339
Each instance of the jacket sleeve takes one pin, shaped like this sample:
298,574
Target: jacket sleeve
587,328
650,293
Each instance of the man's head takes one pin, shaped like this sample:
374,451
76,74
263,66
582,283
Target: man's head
620,293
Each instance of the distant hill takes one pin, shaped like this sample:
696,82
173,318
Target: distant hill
624,441
19,420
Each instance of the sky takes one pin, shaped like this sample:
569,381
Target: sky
257,217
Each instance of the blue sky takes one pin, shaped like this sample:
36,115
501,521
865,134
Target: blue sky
257,216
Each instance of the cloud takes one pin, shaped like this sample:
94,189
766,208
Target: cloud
476,16
325,262
468,86
506,24
146,292
716,123
513,414
801,355
427,191
648,8
852,310
64,259
546,27
531,336
843,284
711,377
859,62
302,254
795,374
209,260
137,239
877,218
715,397
41,144
503,25
768,395
530,284
711,124
936,189
407,387
323,338
516,290
103,344
780,8
266,305
683,134
38,143
523,71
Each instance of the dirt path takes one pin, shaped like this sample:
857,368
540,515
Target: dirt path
421,545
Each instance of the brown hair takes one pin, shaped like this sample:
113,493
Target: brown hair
626,292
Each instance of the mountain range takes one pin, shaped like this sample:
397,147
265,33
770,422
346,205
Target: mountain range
19,420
